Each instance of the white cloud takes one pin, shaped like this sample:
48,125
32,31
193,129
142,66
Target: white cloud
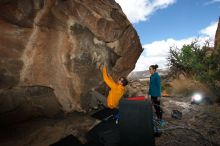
161,48
157,51
145,62
212,2
210,30
140,10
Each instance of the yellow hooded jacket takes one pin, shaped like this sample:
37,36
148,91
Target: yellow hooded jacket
116,91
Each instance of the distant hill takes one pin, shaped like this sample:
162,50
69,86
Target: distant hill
137,75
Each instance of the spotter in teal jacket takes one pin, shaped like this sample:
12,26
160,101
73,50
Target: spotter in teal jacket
155,85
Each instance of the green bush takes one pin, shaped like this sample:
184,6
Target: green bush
193,61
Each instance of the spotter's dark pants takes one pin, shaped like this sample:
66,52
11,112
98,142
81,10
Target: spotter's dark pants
157,107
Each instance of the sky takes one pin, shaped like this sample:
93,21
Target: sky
162,24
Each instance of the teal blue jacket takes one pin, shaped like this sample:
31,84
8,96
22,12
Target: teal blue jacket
155,85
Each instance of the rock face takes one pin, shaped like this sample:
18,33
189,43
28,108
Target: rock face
217,36
22,103
61,44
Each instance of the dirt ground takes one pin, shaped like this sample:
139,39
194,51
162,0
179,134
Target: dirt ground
199,125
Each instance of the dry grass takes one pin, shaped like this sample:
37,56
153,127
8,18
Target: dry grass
187,87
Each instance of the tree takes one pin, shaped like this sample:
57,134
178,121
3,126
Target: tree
194,62
189,60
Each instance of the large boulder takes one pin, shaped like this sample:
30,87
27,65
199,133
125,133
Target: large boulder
217,36
61,44
23,103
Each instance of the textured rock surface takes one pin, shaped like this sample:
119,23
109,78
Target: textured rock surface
23,103
44,132
217,36
60,44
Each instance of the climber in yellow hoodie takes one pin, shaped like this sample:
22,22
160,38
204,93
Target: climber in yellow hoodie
117,90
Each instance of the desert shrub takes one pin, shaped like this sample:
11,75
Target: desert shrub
193,61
